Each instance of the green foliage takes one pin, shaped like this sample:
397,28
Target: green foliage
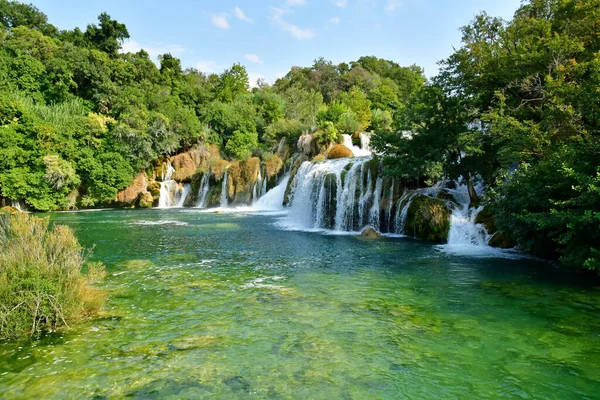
42,284
357,101
108,36
327,133
241,144
381,121
348,123
289,129
517,106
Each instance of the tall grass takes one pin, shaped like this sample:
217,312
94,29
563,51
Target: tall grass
42,285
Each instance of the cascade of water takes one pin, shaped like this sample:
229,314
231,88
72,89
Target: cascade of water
16,204
374,213
255,192
265,180
390,206
273,199
224,200
357,151
365,142
402,214
365,196
168,187
203,191
463,229
182,194
346,197
312,200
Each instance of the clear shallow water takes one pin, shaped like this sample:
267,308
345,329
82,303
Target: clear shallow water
228,306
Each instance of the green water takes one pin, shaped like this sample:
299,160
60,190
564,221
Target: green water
228,306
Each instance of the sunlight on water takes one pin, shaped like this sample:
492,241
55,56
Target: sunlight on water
228,306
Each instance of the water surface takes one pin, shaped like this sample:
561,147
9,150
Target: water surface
229,306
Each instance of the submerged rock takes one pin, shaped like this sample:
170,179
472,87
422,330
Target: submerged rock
370,233
428,218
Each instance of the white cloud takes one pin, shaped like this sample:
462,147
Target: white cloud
209,66
240,14
392,5
340,3
154,49
296,31
220,21
296,2
253,78
334,20
254,58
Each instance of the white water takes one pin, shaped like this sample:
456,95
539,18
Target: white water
374,213
357,151
314,206
224,200
182,195
16,204
273,199
172,194
203,191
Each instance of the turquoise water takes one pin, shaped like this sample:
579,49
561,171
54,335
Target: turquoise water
228,306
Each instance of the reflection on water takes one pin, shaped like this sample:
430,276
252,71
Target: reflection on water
227,305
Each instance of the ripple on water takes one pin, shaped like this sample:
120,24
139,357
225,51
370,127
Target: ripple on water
237,308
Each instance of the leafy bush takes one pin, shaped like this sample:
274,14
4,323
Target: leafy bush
327,134
241,144
42,286
348,123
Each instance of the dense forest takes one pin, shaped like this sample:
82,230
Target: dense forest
516,107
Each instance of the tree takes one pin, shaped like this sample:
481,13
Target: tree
232,82
357,101
108,37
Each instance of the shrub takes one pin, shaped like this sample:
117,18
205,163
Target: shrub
327,133
241,144
339,151
42,285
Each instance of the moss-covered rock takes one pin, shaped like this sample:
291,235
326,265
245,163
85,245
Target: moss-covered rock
146,200
274,166
429,219
339,151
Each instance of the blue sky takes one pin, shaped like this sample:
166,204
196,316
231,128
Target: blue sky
270,36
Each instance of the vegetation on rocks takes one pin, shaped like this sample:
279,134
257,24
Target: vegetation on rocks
429,219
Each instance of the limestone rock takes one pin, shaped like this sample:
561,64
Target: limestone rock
129,195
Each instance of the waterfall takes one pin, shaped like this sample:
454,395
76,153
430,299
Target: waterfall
16,204
390,206
224,200
374,213
171,193
365,142
357,151
326,195
203,191
463,229
273,199
260,187
182,195
265,180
